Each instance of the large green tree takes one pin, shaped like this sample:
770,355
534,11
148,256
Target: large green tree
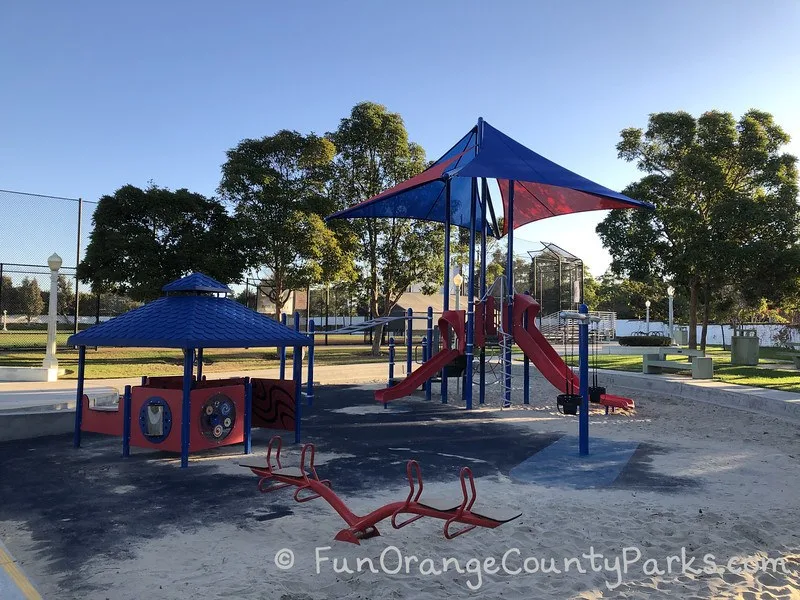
279,188
29,297
143,239
726,209
374,153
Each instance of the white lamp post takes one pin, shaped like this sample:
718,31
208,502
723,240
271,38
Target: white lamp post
671,295
647,318
50,361
5,320
458,280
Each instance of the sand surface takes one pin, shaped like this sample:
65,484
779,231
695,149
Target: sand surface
743,506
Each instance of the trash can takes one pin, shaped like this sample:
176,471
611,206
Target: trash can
744,348
680,335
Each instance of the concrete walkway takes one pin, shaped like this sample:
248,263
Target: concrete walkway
14,584
776,403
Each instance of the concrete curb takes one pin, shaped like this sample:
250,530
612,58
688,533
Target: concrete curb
14,584
774,403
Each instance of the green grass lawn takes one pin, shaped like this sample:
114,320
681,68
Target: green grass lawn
778,379
107,363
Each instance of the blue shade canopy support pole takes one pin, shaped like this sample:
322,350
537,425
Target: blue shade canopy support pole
429,353
446,300
248,415
76,438
526,365
583,359
310,383
186,413
409,335
199,364
297,375
282,353
484,225
510,288
471,296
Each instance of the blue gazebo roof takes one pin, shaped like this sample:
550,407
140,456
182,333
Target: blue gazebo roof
197,282
191,321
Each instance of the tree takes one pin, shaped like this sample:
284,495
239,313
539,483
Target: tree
726,209
30,300
278,188
143,239
627,298
66,297
374,153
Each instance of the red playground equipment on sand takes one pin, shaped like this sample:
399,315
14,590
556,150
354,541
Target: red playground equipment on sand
458,512
451,320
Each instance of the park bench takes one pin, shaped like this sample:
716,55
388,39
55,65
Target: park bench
700,365
795,357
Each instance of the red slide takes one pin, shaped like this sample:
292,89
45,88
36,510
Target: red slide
546,359
416,378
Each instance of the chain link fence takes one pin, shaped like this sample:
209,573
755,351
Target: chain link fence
33,227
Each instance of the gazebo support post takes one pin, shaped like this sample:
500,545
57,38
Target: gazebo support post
297,375
199,364
188,369
76,438
282,353
248,414
126,423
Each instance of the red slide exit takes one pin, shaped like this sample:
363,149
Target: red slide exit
416,378
545,358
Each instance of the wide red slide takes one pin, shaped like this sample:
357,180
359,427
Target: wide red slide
417,377
546,359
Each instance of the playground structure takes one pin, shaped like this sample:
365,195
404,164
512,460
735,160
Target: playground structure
190,413
454,190
458,512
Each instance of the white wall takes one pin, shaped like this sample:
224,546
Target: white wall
765,332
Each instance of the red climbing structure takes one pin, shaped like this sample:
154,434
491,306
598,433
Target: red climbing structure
459,512
451,321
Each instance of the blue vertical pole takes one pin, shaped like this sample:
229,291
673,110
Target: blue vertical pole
76,437
510,286
188,368
282,353
484,225
297,375
429,354
409,336
471,295
425,358
446,301
526,365
126,422
391,362
583,359
248,415
310,383
199,364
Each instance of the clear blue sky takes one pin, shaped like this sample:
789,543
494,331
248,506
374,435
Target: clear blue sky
99,94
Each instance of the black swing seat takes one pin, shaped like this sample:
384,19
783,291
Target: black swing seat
447,504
